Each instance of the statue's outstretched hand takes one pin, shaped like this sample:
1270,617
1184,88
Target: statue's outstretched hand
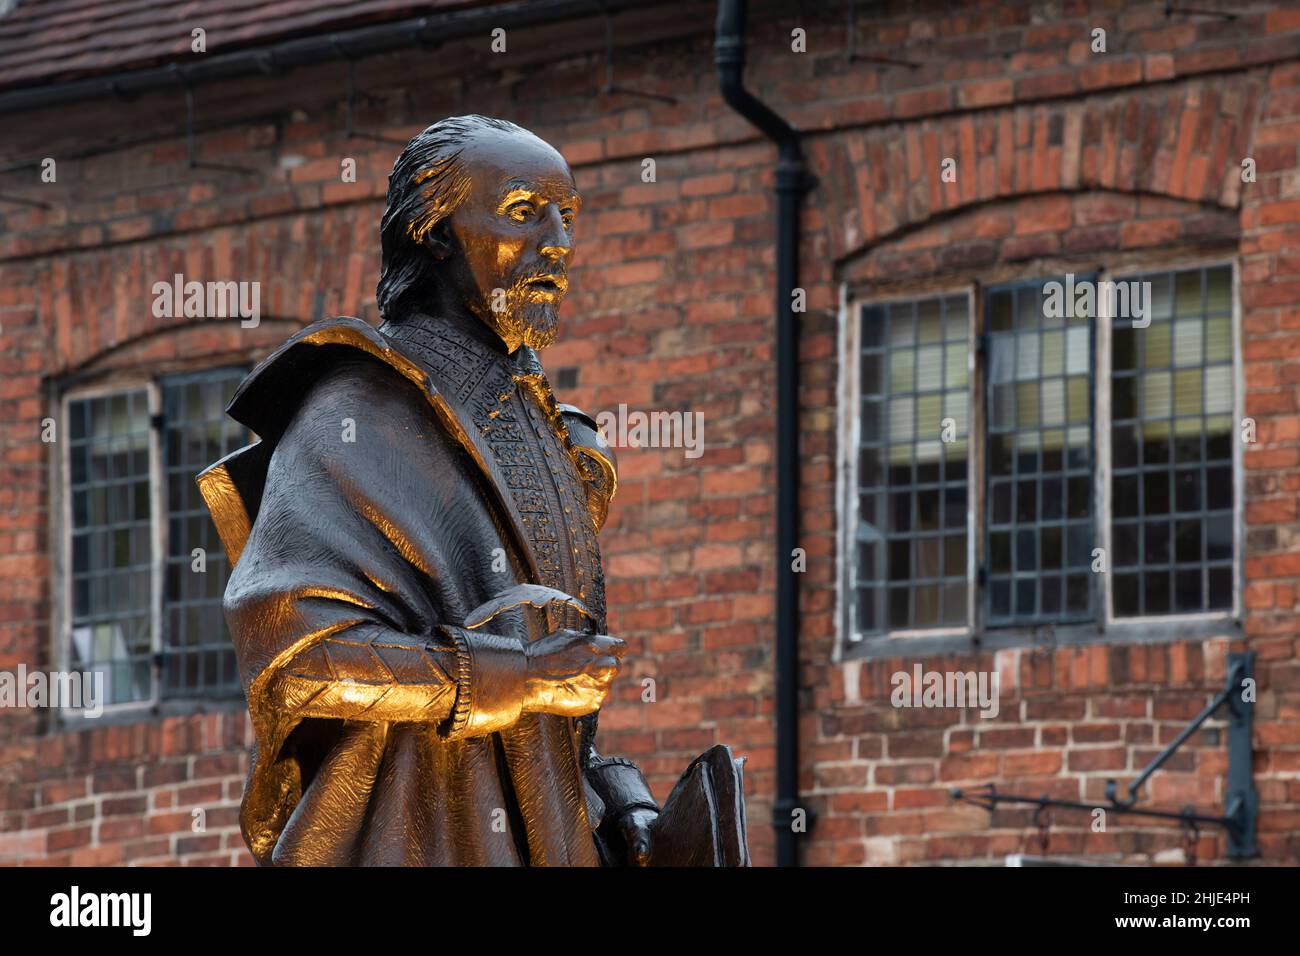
569,672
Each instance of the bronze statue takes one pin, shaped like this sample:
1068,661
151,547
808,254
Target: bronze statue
417,600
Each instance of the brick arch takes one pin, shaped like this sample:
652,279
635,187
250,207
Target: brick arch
1180,141
92,300
186,339
1041,224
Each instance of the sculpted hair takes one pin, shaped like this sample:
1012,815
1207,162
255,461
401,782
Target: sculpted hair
427,184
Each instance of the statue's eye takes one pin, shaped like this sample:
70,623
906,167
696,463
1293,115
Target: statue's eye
567,215
521,211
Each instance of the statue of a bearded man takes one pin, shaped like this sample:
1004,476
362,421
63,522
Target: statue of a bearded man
417,599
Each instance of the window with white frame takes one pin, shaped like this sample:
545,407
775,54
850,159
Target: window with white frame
1022,458
145,570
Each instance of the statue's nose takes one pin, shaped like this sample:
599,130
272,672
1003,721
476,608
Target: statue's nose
556,243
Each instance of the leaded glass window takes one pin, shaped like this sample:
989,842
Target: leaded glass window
912,469
1038,511
112,554
1039,540
143,604
1172,448
199,658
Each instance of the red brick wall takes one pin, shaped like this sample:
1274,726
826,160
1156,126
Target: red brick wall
1061,153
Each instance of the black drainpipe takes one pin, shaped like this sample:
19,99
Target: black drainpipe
792,181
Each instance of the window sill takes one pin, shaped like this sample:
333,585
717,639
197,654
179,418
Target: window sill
1046,637
71,722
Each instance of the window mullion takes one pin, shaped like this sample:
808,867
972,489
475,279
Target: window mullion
1238,448
158,535
63,635
976,363
1102,443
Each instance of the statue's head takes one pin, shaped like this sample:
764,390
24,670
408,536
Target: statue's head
480,213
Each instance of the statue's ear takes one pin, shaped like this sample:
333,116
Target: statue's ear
440,241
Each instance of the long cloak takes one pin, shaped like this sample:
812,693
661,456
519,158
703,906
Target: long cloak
391,493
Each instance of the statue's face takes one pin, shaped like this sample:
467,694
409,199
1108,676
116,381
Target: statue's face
515,228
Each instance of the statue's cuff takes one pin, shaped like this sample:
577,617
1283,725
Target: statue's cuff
490,677
619,783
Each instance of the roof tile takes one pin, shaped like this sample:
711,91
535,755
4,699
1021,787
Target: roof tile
49,41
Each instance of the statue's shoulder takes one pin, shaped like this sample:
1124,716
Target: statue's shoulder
268,398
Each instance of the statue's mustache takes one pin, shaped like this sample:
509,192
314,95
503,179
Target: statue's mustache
557,278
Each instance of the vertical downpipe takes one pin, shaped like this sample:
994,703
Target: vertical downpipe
792,181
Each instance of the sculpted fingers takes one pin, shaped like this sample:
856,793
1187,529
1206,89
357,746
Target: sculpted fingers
604,644
572,671
604,669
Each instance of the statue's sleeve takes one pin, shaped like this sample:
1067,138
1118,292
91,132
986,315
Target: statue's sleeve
345,601
620,785
468,682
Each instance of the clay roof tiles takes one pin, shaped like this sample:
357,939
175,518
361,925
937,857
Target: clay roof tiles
48,41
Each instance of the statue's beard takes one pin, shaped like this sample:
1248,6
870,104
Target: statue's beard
525,319
539,324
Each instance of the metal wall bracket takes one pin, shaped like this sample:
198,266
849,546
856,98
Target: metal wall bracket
19,200
610,86
851,52
1242,800
1241,803
191,159
350,131
23,200
1170,10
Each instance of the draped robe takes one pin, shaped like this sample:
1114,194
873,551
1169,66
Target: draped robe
403,477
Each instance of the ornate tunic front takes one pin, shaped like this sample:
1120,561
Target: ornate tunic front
513,408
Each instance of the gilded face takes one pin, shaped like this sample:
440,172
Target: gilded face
515,229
